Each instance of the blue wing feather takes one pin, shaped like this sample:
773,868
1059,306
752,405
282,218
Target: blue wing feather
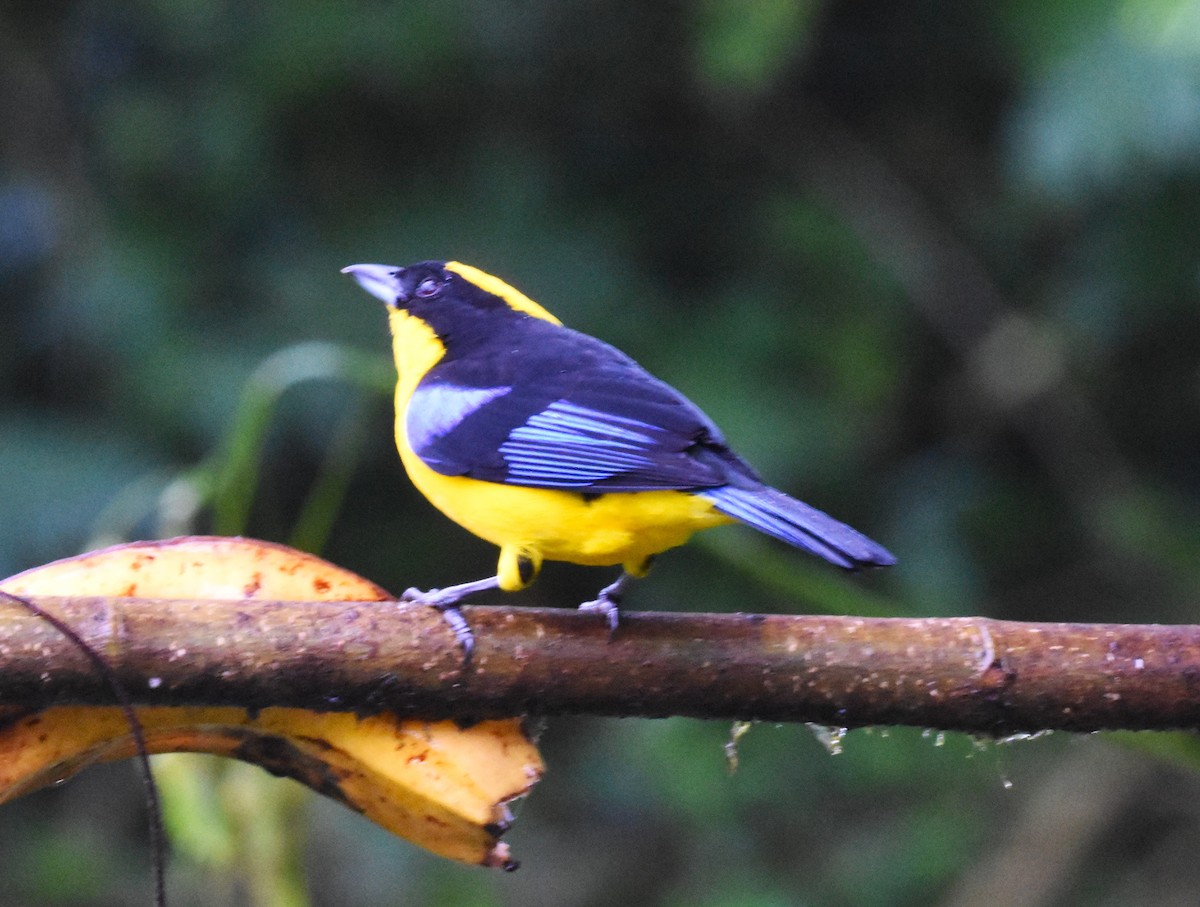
568,446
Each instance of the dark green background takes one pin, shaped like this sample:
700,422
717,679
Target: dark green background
932,266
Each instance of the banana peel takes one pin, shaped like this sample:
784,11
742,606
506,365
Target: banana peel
444,787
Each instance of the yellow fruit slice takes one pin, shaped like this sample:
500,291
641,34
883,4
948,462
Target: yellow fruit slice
440,786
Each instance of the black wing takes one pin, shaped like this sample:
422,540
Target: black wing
553,408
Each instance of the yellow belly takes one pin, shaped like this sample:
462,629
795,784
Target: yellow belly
537,523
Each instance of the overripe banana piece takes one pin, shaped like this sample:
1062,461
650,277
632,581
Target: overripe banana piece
440,786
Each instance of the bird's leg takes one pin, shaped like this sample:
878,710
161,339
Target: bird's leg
446,601
607,602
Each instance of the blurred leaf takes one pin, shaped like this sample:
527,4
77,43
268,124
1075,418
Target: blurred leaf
1181,748
744,46
238,468
1120,108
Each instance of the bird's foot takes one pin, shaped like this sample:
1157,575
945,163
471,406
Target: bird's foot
608,601
606,607
446,602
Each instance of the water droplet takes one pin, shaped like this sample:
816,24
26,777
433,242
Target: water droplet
737,731
829,737
1022,736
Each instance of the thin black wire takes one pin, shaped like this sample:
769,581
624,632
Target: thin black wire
153,804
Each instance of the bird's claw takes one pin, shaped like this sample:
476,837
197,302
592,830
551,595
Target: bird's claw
447,606
461,629
606,607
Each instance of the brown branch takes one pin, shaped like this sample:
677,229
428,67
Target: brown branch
967,674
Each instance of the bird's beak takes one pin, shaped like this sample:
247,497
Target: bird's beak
378,280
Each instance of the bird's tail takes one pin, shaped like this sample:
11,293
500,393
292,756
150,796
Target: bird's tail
794,522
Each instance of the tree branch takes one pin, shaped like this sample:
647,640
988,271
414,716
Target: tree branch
966,674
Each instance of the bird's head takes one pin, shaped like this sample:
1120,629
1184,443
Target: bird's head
433,288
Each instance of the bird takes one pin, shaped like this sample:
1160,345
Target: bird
555,446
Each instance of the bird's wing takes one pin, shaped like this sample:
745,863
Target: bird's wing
570,412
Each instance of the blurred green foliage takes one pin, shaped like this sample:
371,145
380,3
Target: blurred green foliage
932,266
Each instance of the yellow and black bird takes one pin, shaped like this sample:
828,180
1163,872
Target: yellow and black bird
554,445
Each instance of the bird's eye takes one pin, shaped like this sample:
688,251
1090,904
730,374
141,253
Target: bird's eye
427,288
